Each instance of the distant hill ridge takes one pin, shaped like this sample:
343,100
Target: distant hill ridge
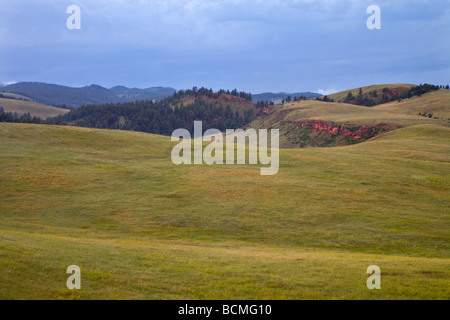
64,96
277,97
72,97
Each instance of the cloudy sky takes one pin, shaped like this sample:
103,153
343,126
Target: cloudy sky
251,45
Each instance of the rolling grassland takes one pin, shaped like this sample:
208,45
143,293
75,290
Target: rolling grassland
140,227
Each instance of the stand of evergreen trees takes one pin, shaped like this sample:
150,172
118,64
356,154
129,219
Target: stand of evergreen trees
264,104
163,117
24,118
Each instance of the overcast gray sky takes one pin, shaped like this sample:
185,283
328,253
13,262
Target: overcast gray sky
251,45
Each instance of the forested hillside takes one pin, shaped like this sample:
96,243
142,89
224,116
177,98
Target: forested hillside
221,110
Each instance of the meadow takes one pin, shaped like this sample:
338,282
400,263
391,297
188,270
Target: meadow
35,109
140,227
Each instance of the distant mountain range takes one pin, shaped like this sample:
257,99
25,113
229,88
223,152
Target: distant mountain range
63,96
60,96
277,97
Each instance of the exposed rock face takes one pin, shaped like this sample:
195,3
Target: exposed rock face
317,133
329,127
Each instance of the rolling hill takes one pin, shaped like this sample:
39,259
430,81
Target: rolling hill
318,123
140,227
35,109
15,96
396,87
437,103
216,109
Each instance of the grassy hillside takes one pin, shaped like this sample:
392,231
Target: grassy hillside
398,87
436,102
35,109
389,116
15,96
140,227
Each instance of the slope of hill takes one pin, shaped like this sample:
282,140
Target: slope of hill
15,96
340,96
35,109
436,103
141,227
381,94
319,124
57,95
395,87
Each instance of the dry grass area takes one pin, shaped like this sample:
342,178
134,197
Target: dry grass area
35,109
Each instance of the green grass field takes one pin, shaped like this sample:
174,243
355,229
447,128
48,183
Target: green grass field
141,227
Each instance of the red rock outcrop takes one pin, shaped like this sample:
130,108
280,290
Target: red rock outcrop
333,129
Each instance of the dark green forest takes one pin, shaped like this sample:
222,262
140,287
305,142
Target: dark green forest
163,117
24,118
